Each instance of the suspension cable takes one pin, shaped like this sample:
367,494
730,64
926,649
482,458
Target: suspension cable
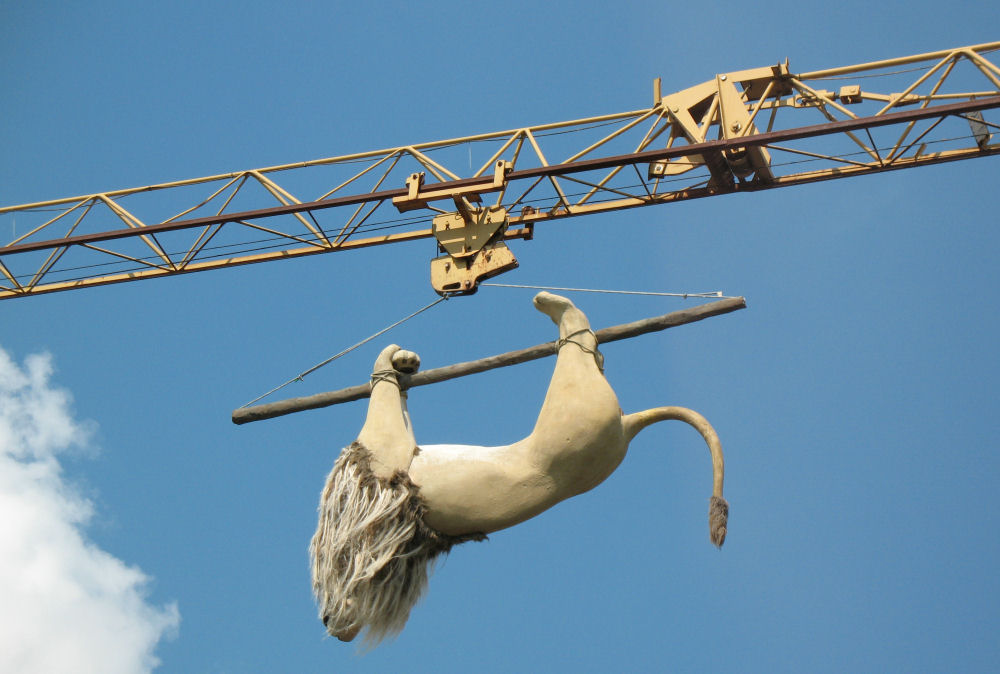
714,293
346,351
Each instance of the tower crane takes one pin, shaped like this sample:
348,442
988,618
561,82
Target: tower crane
742,131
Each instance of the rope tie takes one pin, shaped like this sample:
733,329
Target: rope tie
595,352
385,375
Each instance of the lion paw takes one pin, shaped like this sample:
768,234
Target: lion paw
405,361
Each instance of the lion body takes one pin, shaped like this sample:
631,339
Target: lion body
390,508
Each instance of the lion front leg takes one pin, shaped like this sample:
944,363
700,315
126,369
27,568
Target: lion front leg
387,433
371,551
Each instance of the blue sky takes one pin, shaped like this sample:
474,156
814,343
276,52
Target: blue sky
855,397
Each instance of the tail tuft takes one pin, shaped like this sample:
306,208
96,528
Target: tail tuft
718,516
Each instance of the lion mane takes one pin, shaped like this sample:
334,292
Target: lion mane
372,553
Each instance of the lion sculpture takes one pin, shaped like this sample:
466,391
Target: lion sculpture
390,507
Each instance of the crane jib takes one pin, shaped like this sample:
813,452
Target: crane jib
742,131
543,171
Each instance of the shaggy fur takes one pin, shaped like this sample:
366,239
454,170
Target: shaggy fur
718,519
371,552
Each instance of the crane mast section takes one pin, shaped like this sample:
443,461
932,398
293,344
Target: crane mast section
747,130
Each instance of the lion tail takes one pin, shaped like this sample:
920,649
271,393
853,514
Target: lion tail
718,510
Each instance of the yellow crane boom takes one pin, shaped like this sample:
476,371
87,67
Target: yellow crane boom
742,131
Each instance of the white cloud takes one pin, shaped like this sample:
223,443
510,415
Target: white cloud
65,604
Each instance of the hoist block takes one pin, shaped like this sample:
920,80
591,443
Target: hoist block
473,240
461,276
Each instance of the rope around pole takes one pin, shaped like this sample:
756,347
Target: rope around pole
346,351
715,294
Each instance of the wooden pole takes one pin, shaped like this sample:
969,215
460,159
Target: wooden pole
276,409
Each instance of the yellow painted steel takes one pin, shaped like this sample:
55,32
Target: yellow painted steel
901,61
375,191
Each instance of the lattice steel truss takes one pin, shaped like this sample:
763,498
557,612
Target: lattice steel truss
742,131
